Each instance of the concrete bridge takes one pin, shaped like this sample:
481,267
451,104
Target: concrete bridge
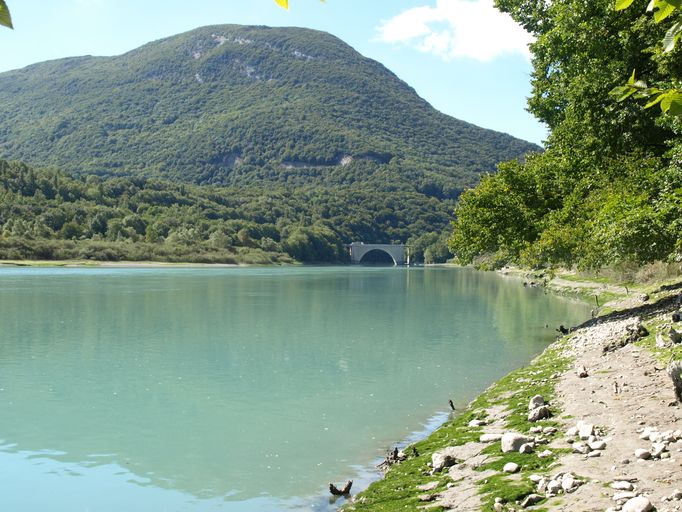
399,253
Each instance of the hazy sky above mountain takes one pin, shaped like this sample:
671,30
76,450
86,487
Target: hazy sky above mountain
464,57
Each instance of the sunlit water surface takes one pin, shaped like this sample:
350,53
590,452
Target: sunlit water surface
244,389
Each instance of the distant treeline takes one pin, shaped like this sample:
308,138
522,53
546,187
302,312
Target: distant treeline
46,214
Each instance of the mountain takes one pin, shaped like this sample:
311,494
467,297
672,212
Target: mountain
230,104
279,116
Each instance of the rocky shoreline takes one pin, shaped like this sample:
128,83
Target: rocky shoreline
591,424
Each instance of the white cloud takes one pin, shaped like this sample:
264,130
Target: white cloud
457,28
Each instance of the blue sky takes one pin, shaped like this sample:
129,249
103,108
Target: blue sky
462,56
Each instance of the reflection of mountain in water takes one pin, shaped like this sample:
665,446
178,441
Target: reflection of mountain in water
235,383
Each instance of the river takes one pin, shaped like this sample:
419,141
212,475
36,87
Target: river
240,389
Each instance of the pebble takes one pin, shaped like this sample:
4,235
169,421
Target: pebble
477,423
597,445
675,496
553,487
512,441
641,453
510,467
622,485
638,504
581,448
657,449
526,448
536,402
585,430
539,413
571,432
622,496
535,430
535,478
545,454
594,454
531,499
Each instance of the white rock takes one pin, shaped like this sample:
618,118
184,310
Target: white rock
597,445
657,449
526,448
490,438
536,402
477,423
621,485
675,496
594,454
542,485
585,431
568,483
535,478
510,467
623,496
512,441
443,458
638,504
535,430
641,453
549,431
553,487
539,413
571,432
581,448
545,454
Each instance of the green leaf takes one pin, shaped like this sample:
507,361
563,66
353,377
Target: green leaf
663,9
655,101
671,103
631,80
671,36
623,4
5,18
622,92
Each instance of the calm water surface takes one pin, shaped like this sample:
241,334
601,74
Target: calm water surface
243,389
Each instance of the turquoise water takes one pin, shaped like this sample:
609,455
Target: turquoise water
245,389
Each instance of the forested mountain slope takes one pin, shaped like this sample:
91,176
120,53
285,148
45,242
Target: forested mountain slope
241,105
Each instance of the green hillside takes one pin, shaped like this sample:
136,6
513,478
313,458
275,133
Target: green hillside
237,105
288,127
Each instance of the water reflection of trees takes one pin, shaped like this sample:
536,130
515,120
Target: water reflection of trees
174,374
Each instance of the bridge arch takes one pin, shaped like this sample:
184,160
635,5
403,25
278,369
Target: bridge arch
378,256
397,252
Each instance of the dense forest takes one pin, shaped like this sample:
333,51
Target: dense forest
608,189
47,214
242,143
